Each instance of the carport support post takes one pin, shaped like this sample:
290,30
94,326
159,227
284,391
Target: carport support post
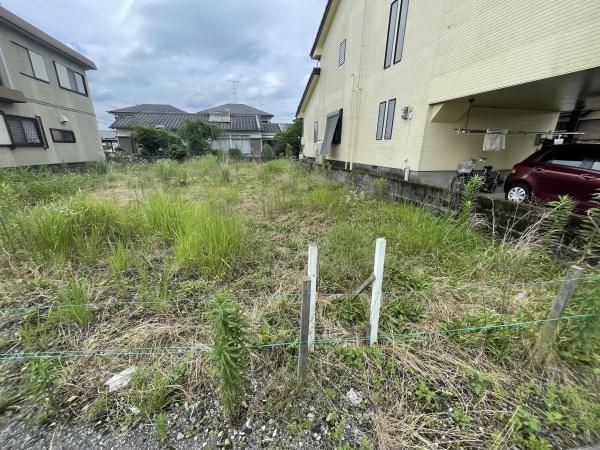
547,335
313,258
377,290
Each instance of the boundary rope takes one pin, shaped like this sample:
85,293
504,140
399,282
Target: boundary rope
206,349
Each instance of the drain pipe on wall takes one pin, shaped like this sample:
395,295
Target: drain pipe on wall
358,88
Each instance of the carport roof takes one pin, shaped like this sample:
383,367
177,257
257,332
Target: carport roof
559,93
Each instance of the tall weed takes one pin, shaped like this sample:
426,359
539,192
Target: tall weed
230,353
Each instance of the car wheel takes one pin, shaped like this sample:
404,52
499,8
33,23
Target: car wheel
518,193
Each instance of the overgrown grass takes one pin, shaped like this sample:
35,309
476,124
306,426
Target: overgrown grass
148,242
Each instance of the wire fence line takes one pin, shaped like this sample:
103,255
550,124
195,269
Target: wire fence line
288,295
181,351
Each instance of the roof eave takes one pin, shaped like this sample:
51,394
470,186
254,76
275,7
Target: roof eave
330,9
316,72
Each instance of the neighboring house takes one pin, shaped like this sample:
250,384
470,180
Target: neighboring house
109,140
244,127
46,111
395,78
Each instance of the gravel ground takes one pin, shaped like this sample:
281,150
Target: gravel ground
15,434
185,430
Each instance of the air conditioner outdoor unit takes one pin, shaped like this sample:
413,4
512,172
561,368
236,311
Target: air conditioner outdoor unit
406,112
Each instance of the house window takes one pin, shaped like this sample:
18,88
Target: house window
62,135
395,36
34,65
380,121
401,31
70,80
24,131
316,132
389,121
389,46
342,54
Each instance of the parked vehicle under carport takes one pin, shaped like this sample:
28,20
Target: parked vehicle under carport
570,169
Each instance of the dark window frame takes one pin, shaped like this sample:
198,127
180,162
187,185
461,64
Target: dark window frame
389,128
342,54
390,35
401,28
39,128
85,86
32,75
315,132
381,120
62,131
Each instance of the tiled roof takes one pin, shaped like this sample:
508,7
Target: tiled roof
173,121
148,108
274,127
237,109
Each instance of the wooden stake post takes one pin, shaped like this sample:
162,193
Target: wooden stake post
304,321
313,261
547,335
377,290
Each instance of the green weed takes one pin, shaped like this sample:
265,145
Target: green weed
161,426
74,304
230,353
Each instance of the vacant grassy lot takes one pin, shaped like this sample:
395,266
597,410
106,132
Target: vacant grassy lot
124,261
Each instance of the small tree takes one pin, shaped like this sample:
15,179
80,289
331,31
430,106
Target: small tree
292,137
196,135
155,142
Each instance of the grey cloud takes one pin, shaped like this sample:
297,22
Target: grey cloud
183,52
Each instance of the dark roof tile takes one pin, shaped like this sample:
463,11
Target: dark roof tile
236,108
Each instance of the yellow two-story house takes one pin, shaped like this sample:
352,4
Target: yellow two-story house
415,86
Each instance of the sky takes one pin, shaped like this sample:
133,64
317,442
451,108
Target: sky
186,52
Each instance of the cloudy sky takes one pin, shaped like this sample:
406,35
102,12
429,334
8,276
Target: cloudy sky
184,52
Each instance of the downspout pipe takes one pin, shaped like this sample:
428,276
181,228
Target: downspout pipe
358,88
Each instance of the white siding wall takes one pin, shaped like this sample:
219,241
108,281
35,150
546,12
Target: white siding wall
452,49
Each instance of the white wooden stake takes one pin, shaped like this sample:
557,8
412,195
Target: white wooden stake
377,288
313,263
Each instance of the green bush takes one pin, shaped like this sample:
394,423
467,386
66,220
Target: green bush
235,153
267,152
196,134
154,142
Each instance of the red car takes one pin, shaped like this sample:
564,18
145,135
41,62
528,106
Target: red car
570,169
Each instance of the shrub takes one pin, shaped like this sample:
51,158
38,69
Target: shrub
235,153
154,142
230,353
196,135
267,152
